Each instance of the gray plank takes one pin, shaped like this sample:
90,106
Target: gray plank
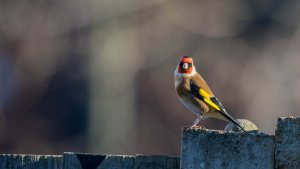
17,161
94,161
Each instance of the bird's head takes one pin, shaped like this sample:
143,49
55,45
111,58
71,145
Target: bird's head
186,66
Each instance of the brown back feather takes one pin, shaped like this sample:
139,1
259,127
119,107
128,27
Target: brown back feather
199,81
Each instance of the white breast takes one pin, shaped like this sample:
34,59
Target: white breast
186,101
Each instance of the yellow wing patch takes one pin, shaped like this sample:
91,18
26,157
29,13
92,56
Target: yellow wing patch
206,99
204,93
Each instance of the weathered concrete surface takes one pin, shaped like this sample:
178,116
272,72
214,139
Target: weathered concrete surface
287,153
17,161
212,149
90,161
246,124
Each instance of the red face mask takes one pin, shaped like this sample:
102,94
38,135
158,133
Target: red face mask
185,65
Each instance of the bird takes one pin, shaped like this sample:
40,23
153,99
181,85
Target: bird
194,93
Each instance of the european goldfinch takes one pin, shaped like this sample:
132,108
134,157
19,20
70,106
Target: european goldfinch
195,94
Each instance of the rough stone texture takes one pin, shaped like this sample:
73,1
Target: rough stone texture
287,153
91,161
212,149
201,148
14,161
246,124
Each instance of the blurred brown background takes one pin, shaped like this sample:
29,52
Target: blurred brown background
97,75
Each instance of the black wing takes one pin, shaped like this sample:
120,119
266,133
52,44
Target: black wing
195,90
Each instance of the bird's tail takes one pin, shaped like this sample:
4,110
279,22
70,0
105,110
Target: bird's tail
224,113
231,119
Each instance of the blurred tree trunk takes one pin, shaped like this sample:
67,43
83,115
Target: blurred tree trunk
113,69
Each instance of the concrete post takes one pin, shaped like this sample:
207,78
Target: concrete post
212,149
287,143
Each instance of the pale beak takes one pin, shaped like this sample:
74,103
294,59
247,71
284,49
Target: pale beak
185,66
